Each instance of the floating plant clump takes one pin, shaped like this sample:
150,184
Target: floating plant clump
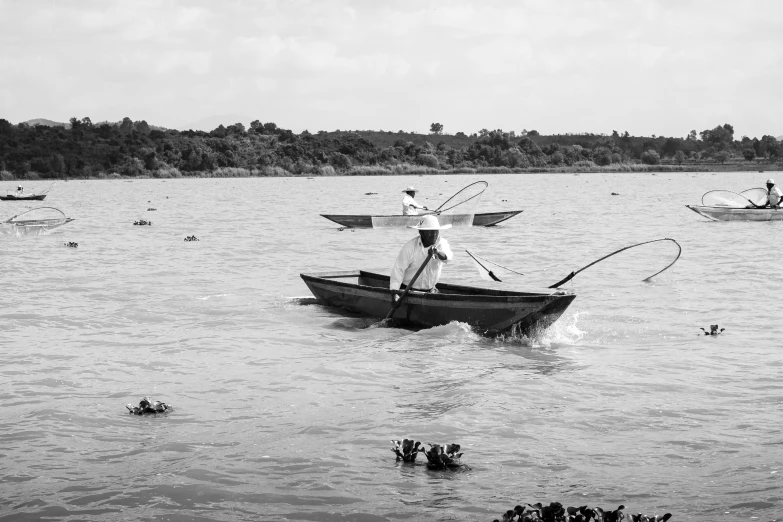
555,512
142,222
148,406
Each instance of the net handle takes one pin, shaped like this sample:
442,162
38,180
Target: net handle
573,274
438,210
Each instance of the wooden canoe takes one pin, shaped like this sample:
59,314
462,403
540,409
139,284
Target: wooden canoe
31,197
364,221
738,214
488,310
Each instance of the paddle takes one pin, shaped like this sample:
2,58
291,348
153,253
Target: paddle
407,289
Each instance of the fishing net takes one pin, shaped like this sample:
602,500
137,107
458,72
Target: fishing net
464,201
727,198
634,265
756,195
35,221
455,220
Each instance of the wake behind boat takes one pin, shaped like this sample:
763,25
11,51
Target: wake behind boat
457,220
488,310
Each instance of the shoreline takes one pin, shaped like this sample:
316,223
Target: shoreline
410,170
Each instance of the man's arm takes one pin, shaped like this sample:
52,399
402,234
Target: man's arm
444,251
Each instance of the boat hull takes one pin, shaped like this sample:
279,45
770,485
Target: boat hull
488,310
487,219
738,214
11,197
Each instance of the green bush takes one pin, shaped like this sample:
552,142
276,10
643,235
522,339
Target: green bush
6,176
428,160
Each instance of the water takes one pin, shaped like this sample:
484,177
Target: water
285,410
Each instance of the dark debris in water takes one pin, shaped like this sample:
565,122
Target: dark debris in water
142,222
556,512
191,238
147,406
439,456
71,244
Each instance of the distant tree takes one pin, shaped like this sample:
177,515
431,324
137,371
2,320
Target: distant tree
142,127
428,160
236,128
86,121
340,161
557,158
679,157
692,135
436,128
460,134
57,164
483,132
615,134
749,154
602,156
533,133
721,156
651,157
126,127
75,123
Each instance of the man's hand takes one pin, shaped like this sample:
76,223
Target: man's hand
395,298
436,253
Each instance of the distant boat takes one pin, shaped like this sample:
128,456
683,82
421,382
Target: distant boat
489,310
31,197
738,214
28,197
365,221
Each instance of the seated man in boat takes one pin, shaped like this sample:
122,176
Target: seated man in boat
413,254
774,195
19,191
409,205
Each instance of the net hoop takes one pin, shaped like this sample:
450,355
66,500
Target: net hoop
440,209
757,195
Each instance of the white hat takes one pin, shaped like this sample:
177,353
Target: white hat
429,222
409,189
770,181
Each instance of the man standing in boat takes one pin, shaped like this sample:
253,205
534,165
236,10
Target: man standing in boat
413,254
774,195
409,205
19,191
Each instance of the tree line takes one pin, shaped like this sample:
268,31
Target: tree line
134,149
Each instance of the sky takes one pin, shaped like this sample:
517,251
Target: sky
649,67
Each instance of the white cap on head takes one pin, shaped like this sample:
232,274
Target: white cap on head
429,222
410,189
770,181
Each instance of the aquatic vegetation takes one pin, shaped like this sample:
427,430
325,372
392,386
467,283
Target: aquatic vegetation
142,222
406,450
71,244
191,238
555,512
148,406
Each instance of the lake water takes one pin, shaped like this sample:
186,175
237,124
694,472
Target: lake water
284,411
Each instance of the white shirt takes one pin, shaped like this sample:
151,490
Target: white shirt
411,256
774,196
409,206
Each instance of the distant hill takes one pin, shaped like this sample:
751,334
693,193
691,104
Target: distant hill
48,123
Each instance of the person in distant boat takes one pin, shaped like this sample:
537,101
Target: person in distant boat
774,195
19,191
413,254
409,205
